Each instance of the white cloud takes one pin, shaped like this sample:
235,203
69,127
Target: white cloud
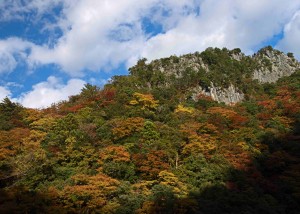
97,35
103,34
226,23
18,9
50,91
290,41
13,51
100,35
4,92
7,62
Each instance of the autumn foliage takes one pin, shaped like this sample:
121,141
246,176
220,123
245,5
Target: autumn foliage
130,147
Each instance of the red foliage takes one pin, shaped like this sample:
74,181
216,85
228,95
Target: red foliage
74,108
204,97
264,116
101,99
231,186
238,120
151,164
106,96
240,161
268,104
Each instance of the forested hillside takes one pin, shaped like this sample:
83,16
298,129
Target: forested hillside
211,132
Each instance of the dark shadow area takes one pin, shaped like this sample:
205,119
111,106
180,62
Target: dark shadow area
21,200
272,187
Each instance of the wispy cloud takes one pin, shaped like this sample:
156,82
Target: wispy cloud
19,9
12,52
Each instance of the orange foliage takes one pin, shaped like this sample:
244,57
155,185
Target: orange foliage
268,104
222,116
227,113
11,141
125,127
114,153
289,101
201,138
264,116
204,97
103,98
240,161
75,108
151,164
238,157
89,193
195,128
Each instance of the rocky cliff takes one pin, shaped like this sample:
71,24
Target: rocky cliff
223,74
273,65
228,95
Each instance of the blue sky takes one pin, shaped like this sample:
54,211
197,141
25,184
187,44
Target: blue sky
50,48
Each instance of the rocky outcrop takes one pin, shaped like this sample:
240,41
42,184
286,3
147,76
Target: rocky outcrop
266,66
177,65
237,56
273,65
228,95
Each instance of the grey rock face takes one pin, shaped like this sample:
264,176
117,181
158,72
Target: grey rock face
238,56
228,95
178,65
280,65
270,65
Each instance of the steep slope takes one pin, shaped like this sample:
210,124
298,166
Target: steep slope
224,75
150,143
274,65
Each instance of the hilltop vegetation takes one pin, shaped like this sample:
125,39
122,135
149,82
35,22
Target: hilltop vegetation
150,143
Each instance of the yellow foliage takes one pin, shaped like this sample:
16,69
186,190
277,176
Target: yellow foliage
32,143
285,121
133,102
199,145
125,127
144,187
147,101
147,208
31,115
32,152
169,179
180,108
110,207
94,191
43,124
244,146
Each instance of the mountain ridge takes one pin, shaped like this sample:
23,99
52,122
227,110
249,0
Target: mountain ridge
148,143
216,70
